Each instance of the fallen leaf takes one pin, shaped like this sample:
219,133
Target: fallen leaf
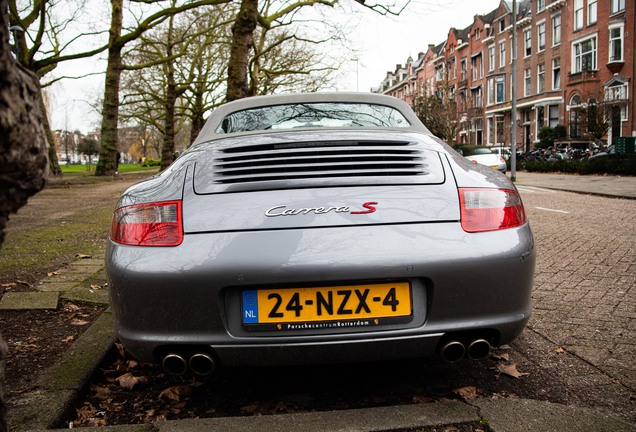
81,256
120,348
96,287
421,399
504,356
510,370
466,392
132,364
560,350
249,408
78,322
174,392
68,339
101,392
179,405
8,284
128,381
24,283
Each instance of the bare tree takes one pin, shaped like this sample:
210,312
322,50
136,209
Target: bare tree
117,42
249,16
45,41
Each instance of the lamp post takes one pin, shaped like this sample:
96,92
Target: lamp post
357,71
513,141
15,30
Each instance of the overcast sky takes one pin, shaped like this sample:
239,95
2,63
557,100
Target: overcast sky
381,43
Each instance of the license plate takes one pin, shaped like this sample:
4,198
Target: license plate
495,166
319,304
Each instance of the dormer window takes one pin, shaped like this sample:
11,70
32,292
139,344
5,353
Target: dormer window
502,25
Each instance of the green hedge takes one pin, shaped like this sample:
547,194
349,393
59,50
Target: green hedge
607,165
151,162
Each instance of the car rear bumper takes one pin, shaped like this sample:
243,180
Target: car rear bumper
186,295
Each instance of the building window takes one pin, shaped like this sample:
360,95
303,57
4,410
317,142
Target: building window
591,12
618,5
556,30
462,66
502,24
528,82
499,84
553,115
575,116
527,36
540,118
502,54
474,67
541,36
481,66
578,14
540,5
585,55
616,44
541,78
491,131
491,58
499,124
478,133
491,86
556,73
477,34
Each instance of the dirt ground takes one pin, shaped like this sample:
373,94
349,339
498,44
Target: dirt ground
124,391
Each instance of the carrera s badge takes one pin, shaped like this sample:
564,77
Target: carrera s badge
278,210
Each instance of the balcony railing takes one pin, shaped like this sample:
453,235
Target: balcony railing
475,111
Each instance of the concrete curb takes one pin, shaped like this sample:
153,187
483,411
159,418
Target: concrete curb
58,390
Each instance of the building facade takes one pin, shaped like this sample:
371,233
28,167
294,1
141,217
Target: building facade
575,61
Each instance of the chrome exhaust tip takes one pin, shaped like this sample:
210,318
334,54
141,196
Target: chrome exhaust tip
202,364
478,349
452,351
175,364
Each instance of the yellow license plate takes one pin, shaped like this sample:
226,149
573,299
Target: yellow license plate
289,305
495,166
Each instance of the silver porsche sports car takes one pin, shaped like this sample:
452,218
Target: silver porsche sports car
318,228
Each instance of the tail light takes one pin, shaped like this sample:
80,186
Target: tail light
490,209
155,224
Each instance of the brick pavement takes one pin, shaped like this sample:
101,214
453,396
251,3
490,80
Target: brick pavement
585,281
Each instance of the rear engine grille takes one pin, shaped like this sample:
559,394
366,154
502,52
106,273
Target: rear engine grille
310,160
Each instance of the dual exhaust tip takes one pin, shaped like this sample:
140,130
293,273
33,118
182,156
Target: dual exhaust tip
453,351
200,363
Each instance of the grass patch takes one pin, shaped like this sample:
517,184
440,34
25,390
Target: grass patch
29,253
90,169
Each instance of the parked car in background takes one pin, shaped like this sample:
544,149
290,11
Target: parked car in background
482,155
501,151
318,228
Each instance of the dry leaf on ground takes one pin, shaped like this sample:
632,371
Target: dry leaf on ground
560,350
78,322
417,399
174,392
68,339
128,381
466,392
504,356
510,370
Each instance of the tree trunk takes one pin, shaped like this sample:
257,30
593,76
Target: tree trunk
23,149
54,166
197,112
168,139
242,36
110,113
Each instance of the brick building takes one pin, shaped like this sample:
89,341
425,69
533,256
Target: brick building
574,58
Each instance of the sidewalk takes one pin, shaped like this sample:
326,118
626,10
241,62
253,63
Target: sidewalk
65,381
610,186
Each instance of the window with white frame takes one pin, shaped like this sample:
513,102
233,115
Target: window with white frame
502,25
477,34
616,44
584,55
578,14
556,73
553,115
491,91
541,78
618,6
540,119
502,53
499,89
556,30
491,130
463,73
527,74
491,58
481,66
540,5
541,36
591,12
527,37
474,67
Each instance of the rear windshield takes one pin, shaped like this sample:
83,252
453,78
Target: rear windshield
312,115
